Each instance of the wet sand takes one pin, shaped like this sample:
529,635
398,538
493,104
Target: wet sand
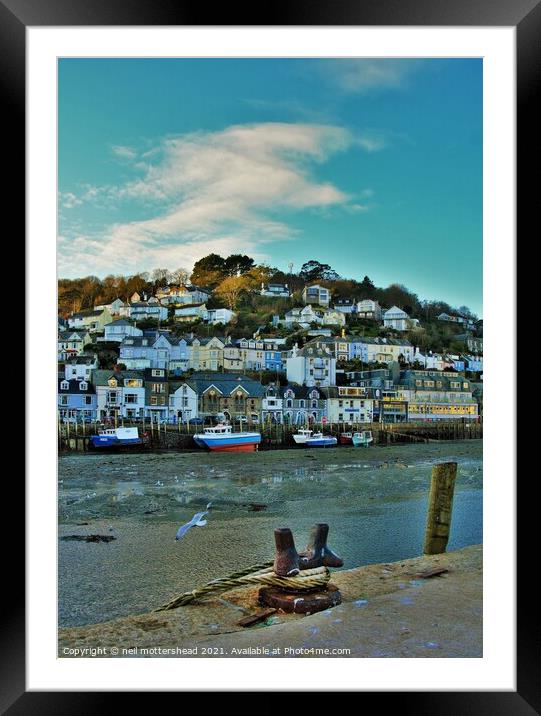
374,500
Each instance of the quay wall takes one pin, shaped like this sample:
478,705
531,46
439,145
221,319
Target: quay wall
166,436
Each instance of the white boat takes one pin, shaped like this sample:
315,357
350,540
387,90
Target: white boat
115,437
362,439
310,439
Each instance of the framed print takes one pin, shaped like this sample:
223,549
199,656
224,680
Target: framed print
260,257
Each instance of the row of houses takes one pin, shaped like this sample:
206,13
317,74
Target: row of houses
370,396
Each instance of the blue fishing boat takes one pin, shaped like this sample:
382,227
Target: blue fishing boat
221,438
115,437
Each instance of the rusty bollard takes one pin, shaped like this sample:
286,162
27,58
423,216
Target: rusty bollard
287,563
286,560
317,553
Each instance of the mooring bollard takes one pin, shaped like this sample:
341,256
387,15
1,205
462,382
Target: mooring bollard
287,562
440,505
317,553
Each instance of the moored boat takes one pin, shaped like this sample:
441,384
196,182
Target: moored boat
310,439
116,437
221,438
345,438
362,439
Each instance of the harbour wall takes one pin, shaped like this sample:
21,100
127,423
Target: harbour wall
166,436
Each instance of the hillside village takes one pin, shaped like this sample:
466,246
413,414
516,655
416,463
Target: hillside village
252,344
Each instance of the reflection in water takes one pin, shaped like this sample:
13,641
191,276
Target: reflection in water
374,504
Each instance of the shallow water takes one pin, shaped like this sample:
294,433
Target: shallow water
374,500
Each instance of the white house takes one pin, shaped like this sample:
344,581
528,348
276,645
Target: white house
332,317
396,318
316,294
345,305
369,309
219,315
183,401
311,366
116,331
80,367
348,405
303,316
430,361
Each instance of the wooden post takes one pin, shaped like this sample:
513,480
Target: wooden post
440,505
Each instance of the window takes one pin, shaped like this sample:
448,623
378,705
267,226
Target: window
87,400
301,403
133,383
112,382
63,400
153,400
158,373
158,388
130,398
83,385
64,385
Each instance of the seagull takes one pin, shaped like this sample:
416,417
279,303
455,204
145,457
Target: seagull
197,520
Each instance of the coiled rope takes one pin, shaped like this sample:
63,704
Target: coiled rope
256,574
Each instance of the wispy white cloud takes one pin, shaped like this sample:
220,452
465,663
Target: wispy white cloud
358,76
225,191
124,152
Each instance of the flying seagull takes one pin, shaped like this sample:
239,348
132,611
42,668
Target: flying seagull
197,520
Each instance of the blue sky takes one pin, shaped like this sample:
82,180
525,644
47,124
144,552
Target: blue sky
372,166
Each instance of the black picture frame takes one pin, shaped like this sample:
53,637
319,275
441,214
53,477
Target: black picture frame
525,16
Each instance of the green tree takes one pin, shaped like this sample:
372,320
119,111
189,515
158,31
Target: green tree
209,271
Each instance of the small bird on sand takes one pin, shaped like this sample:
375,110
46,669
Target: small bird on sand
197,520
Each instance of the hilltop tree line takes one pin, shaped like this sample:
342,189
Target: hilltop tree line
235,281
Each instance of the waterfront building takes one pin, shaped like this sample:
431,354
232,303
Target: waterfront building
119,393
233,397
348,404
183,401
311,366
76,400
435,395
379,385
301,404
316,294
156,394
272,404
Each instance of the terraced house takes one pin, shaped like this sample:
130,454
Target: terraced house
348,404
231,396
302,404
154,349
156,394
76,400
72,343
119,394
206,353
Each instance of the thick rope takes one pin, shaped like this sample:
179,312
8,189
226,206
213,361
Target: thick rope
257,574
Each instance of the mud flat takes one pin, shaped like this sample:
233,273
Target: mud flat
374,499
